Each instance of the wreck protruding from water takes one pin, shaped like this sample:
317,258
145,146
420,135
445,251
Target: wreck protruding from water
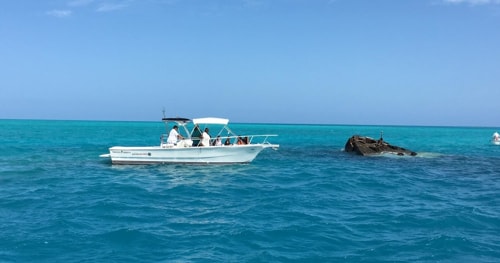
367,146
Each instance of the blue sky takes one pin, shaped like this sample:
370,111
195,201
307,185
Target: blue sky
411,62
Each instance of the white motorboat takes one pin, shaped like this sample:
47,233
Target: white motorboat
495,139
232,148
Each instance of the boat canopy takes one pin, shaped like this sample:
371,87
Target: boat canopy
211,120
176,119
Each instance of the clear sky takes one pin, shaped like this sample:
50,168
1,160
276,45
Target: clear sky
398,62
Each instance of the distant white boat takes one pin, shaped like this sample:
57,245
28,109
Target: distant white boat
495,139
232,148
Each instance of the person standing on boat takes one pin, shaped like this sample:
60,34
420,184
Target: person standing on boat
174,136
205,138
496,137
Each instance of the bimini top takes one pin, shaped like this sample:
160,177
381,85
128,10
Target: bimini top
211,120
177,119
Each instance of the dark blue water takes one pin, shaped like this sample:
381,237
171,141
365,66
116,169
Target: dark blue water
307,202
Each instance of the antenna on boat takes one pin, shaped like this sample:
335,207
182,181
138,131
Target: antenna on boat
164,112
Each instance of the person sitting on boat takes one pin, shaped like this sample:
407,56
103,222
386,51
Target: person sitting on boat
227,141
218,141
205,138
174,136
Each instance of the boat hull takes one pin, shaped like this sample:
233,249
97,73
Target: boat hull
188,155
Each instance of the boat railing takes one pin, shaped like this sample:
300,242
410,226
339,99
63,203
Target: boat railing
246,139
229,139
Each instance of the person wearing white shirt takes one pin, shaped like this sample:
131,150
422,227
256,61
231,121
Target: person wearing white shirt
218,141
205,138
174,136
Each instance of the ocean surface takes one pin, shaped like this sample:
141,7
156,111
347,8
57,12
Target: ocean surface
308,201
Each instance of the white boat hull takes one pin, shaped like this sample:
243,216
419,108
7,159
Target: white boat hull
191,155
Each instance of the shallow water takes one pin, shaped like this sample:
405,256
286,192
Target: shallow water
307,201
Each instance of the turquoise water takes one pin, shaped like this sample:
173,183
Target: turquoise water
307,202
